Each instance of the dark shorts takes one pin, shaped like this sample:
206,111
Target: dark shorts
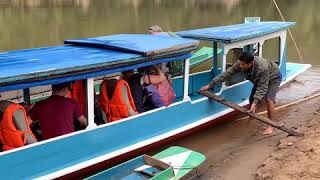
273,88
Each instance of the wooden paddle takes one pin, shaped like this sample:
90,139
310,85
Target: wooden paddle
251,114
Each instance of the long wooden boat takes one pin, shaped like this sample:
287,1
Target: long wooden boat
83,152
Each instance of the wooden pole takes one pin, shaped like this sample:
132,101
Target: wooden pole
287,105
251,114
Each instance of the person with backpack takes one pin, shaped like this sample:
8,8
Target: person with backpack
158,86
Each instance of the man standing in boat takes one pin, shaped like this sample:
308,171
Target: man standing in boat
264,74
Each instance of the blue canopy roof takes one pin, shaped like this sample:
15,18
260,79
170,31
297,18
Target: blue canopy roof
237,32
49,65
136,43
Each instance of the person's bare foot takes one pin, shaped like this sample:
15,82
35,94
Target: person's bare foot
268,131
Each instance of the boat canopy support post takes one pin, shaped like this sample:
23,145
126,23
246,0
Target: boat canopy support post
251,114
26,96
260,45
90,103
225,51
186,80
215,58
283,53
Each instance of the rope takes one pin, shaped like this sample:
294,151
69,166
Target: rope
294,42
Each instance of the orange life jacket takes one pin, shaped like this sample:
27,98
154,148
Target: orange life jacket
10,136
78,93
115,108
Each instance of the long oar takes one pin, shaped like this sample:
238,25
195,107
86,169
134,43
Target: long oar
245,111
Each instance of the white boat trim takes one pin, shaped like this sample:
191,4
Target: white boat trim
116,153
97,127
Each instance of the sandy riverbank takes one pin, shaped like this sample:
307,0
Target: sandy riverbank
237,150
295,157
262,157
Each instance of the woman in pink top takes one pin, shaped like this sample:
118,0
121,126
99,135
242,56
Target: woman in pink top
154,75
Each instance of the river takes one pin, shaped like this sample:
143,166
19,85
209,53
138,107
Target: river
37,23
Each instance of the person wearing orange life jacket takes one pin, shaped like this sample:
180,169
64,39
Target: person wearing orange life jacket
14,126
135,81
78,93
116,100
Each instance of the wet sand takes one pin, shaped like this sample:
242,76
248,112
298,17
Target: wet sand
295,157
236,149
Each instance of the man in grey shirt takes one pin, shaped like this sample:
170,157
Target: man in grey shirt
265,76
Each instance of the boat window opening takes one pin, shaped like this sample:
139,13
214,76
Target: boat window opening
139,90
36,94
201,71
27,99
271,49
233,56
40,93
201,59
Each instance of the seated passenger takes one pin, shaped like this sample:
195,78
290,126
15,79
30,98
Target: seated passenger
14,126
154,75
157,30
154,30
57,113
78,93
116,100
135,82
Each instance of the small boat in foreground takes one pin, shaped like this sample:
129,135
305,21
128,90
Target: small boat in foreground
173,163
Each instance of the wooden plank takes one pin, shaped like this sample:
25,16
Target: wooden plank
251,114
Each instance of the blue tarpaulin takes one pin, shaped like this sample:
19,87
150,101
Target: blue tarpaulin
69,62
237,32
144,44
